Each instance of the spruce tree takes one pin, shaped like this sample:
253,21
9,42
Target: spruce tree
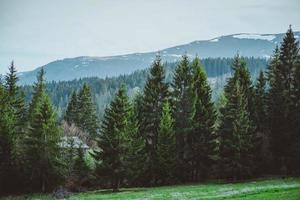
260,103
155,94
72,114
166,146
135,156
38,90
44,166
11,80
262,133
112,142
203,137
6,142
281,99
295,147
183,110
87,118
237,128
11,131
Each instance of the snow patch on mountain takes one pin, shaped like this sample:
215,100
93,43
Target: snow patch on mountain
176,55
255,36
214,40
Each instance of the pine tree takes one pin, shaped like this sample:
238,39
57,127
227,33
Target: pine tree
12,128
16,102
135,145
183,104
6,142
111,141
262,133
72,114
38,90
166,146
11,80
87,118
43,161
282,107
203,136
155,93
236,137
260,102
295,147
237,128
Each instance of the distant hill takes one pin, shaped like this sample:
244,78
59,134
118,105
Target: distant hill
249,45
103,89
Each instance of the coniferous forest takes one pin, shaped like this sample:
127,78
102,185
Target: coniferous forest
174,130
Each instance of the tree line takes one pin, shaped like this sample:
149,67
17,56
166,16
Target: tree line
103,90
170,132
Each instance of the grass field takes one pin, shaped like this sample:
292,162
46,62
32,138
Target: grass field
281,189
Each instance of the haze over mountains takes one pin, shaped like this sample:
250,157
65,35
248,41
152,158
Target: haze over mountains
249,45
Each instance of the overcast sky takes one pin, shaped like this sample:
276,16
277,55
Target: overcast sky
35,32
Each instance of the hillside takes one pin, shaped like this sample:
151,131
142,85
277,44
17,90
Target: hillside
217,69
248,45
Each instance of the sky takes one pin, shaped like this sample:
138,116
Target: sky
36,32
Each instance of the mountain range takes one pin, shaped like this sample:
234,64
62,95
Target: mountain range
246,44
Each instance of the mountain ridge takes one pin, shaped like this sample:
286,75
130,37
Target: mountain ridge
246,44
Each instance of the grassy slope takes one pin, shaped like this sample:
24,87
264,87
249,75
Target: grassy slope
287,189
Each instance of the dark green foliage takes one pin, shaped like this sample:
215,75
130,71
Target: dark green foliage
261,103
86,111
6,142
166,146
37,94
105,88
155,94
203,136
135,150
80,169
72,113
263,158
12,120
282,104
43,163
183,110
112,142
236,137
236,128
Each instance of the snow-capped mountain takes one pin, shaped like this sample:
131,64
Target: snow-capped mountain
256,45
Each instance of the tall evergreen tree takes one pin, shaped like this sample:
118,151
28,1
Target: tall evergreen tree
182,97
166,146
72,113
87,120
155,93
6,142
38,90
282,107
237,128
12,128
112,140
11,80
135,145
203,137
43,161
260,103
295,147
262,140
